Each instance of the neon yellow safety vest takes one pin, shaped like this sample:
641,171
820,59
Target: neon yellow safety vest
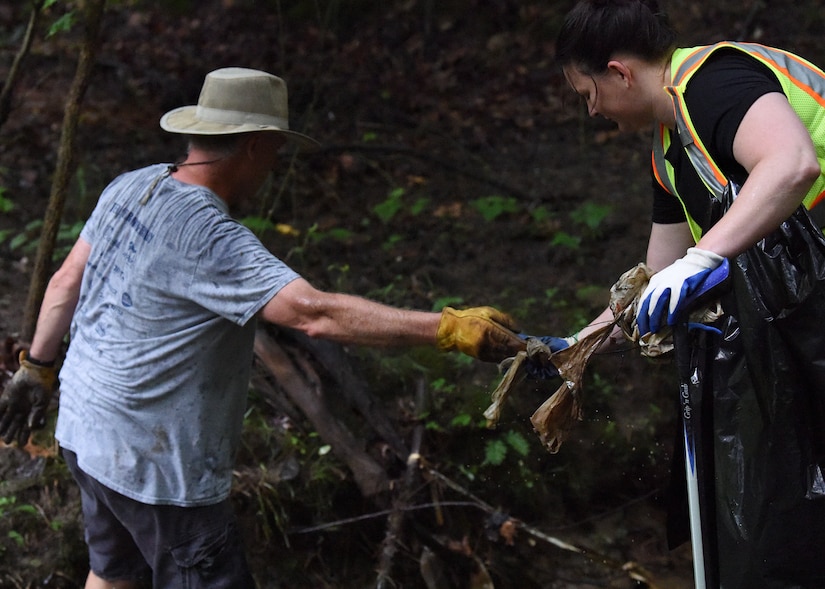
802,82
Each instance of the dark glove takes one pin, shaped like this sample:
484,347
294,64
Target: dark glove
25,400
546,370
481,332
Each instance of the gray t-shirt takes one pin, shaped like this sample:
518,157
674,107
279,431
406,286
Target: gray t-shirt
154,385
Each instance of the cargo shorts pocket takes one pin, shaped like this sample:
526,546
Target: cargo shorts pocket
213,559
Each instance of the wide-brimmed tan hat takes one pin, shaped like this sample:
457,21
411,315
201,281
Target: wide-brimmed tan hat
237,100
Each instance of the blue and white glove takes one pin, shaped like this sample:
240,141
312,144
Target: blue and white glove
670,287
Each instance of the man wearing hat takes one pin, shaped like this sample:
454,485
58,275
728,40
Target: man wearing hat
161,293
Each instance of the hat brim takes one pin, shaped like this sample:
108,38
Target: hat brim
183,120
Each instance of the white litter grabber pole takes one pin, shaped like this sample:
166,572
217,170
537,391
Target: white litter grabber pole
689,420
692,385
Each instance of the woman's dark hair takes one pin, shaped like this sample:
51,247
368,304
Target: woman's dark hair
594,30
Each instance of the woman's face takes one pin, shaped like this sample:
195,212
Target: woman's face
610,95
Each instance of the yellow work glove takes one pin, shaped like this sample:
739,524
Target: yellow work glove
481,332
25,400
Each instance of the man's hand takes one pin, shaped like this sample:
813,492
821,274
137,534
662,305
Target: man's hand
25,400
481,332
669,287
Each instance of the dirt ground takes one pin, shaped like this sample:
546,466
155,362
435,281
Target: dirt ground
456,166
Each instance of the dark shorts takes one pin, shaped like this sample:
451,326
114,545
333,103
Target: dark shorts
162,545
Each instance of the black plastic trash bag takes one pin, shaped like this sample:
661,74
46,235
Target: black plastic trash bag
765,434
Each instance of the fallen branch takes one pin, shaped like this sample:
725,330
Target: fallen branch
353,389
298,379
508,528
395,522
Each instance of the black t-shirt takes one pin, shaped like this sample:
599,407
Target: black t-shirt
717,98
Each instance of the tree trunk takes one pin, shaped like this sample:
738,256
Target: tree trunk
93,15
11,79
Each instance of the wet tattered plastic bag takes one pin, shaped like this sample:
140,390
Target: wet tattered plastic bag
765,377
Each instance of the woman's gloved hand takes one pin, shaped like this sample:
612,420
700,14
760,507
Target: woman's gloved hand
546,370
26,398
556,344
669,288
481,332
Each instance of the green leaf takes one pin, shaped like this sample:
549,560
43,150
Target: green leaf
62,24
389,208
442,302
14,535
391,241
590,214
518,442
492,207
495,452
6,204
541,213
433,426
419,205
340,233
442,385
71,232
565,240
257,224
18,240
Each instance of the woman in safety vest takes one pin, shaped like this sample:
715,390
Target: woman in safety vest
751,117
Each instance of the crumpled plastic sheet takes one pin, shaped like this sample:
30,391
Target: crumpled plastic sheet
557,416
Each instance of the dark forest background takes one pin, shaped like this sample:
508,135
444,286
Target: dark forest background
456,169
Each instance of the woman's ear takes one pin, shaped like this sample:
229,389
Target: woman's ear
621,69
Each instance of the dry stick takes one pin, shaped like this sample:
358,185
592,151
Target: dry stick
395,521
93,11
14,70
375,514
634,570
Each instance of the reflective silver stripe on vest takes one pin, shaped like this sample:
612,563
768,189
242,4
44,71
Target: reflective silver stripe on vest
793,73
798,71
